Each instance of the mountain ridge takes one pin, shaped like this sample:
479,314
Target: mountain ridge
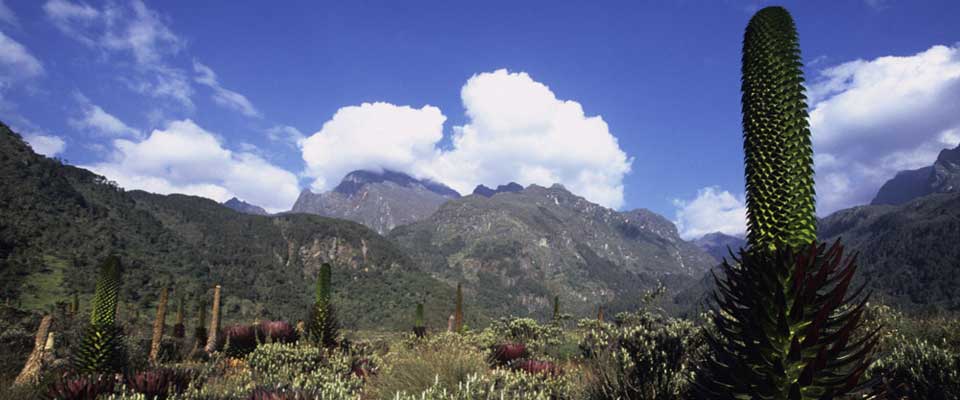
515,251
941,177
380,201
244,207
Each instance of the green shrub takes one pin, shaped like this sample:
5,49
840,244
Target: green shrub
647,357
498,385
917,369
303,366
442,361
539,339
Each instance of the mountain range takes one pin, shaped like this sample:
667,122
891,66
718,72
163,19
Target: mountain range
379,200
515,250
396,240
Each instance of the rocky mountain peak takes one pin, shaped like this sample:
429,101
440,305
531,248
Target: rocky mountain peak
244,207
941,177
485,191
379,200
353,182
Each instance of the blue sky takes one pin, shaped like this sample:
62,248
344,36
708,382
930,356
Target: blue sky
631,104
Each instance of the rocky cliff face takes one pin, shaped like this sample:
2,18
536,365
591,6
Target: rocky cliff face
515,251
380,201
241,206
941,177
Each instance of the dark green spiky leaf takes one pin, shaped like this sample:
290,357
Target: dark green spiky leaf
784,323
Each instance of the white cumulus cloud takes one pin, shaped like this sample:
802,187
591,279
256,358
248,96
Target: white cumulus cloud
872,118
372,136
96,119
518,130
713,210
222,96
47,145
185,158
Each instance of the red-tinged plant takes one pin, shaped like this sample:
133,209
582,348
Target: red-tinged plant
81,388
539,367
160,383
239,340
277,332
786,324
282,394
506,353
362,368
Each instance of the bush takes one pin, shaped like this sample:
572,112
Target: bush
160,383
917,369
648,357
500,384
303,366
441,362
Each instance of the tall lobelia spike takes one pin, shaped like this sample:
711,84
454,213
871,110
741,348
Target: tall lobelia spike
778,156
323,327
158,324
556,308
200,331
458,310
419,326
75,305
214,331
107,294
179,330
99,352
30,374
782,312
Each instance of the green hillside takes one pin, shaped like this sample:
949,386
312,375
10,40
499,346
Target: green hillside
57,221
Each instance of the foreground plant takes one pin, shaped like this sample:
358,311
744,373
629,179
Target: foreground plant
644,356
159,323
159,383
81,388
419,327
99,352
458,310
784,314
323,327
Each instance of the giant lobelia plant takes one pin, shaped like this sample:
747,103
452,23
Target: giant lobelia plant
100,350
785,317
322,326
